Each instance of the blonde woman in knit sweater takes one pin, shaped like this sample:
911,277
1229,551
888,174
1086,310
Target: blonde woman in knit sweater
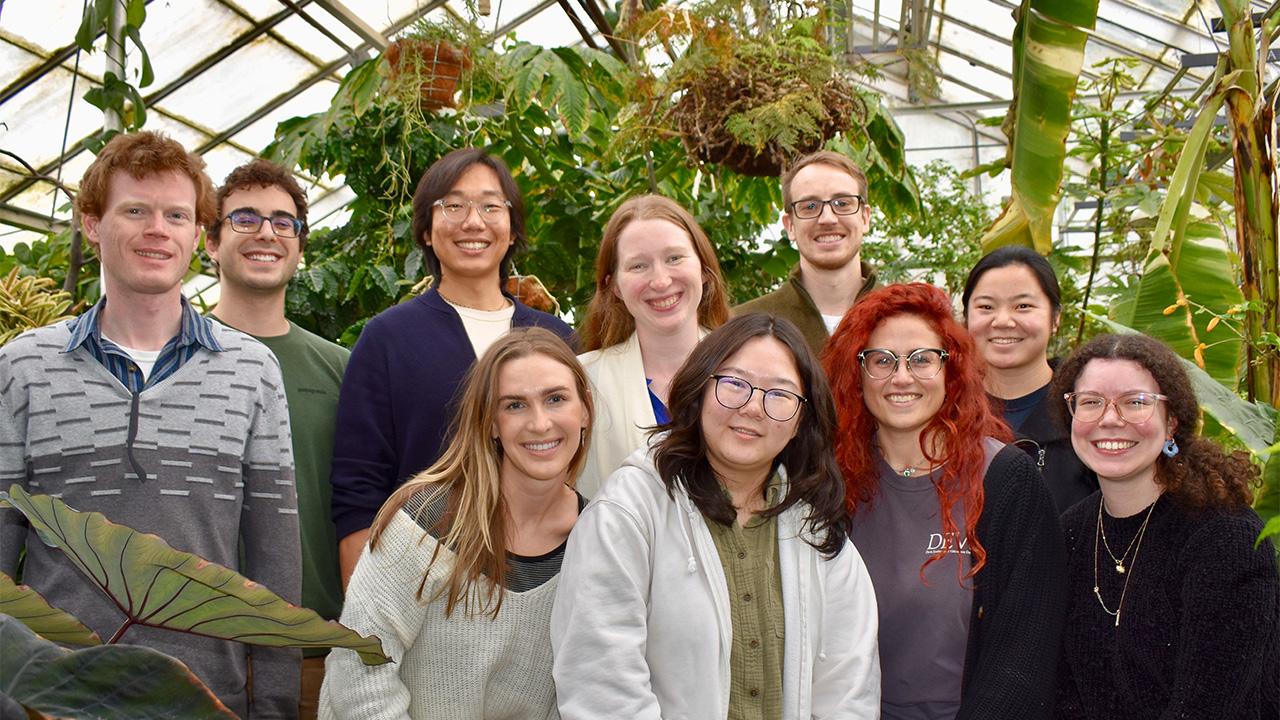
463,560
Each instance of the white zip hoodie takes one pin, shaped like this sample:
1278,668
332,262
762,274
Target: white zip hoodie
641,626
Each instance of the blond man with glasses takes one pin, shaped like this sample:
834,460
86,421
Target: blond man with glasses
825,214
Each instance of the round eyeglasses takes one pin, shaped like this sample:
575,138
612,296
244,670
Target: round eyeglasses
840,205
1134,407
923,363
491,211
249,222
733,392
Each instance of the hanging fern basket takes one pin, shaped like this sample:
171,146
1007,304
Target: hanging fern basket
759,105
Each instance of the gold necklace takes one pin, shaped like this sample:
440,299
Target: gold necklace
505,303
1097,591
1106,546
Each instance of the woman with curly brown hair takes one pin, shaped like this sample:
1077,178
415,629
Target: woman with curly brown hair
958,531
1174,612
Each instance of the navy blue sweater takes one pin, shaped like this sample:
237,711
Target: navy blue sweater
397,400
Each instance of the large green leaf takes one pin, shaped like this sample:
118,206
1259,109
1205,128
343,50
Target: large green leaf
125,682
1201,271
28,607
1048,47
1253,424
158,586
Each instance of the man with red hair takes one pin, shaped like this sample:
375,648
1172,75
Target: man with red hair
156,417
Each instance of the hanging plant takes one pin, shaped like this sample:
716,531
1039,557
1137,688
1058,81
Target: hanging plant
754,99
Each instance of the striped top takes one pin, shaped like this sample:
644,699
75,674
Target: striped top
195,332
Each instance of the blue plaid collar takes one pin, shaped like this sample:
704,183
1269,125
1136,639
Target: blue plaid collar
195,328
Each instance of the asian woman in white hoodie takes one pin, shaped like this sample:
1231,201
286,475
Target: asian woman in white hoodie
712,576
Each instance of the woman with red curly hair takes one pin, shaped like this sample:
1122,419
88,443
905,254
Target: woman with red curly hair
1173,607
957,530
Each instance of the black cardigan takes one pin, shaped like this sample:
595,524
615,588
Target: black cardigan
1019,599
1066,478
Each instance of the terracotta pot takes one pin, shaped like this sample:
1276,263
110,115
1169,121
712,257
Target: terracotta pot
437,65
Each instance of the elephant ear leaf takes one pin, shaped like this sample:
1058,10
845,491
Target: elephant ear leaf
28,607
158,586
107,681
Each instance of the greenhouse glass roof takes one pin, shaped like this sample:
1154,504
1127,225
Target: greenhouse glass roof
227,71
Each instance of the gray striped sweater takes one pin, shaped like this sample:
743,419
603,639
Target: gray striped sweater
213,443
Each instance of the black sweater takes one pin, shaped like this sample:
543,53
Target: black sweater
1019,598
1199,632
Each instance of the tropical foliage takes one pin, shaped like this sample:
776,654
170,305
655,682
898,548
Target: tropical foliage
153,585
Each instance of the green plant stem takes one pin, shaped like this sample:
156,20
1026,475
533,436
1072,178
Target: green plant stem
1255,198
1104,134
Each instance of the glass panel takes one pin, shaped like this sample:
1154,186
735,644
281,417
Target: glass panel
242,83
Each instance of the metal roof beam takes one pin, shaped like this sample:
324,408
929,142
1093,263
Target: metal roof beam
324,72
58,57
354,23
28,220
519,20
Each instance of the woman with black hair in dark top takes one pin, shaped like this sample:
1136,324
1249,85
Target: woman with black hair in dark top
1173,607
1012,307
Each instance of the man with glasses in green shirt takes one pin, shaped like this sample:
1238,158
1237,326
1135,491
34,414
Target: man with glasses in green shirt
825,213
257,243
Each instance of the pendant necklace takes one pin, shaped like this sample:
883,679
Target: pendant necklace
1136,545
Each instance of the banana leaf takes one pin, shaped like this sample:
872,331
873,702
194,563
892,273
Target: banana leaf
112,682
1201,271
1048,52
28,607
158,586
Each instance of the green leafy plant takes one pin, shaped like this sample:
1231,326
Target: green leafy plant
27,302
153,585
751,90
1048,52
38,679
116,94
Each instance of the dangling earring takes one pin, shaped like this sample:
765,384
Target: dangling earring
1170,447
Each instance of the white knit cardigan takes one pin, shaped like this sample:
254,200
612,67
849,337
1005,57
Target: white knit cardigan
456,668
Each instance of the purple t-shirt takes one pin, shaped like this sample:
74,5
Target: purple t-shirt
923,625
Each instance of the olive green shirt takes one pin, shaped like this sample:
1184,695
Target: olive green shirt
792,301
749,555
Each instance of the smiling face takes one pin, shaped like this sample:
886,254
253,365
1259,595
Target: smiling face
903,403
471,249
538,420
658,276
742,444
1010,317
829,241
146,234
258,261
1119,451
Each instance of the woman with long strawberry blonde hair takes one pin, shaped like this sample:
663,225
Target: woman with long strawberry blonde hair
958,532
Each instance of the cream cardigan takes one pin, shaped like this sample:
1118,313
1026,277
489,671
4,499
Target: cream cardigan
455,668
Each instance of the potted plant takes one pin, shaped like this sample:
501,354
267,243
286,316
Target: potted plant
754,88
428,61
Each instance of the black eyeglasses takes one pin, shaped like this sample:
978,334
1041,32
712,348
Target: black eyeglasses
249,222
923,363
733,392
840,205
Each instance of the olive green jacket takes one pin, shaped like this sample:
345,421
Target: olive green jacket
793,302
